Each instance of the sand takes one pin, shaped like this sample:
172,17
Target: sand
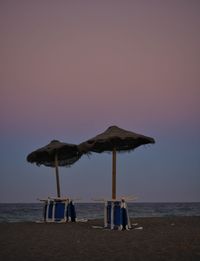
176,238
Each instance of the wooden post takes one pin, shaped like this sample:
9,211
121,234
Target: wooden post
114,174
57,176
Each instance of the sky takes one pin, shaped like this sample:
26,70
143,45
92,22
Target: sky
71,69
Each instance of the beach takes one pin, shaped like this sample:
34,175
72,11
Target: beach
167,238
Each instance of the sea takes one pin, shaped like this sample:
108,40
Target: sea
31,212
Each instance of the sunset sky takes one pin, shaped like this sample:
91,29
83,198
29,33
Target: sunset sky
71,69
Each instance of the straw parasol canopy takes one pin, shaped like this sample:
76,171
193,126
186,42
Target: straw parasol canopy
112,140
55,154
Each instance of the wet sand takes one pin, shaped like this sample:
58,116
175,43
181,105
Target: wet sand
176,238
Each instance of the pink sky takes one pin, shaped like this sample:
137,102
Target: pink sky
72,68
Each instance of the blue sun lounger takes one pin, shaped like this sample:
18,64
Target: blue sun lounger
71,212
116,215
58,210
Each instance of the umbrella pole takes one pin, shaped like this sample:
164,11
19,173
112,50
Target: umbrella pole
57,176
114,174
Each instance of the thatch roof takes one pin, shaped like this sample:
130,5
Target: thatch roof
115,137
67,154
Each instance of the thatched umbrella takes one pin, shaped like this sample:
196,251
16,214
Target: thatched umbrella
55,154
114,139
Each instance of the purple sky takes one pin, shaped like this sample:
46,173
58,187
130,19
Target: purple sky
70,69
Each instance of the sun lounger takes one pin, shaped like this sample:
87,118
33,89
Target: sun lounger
71,212
58,210
116,215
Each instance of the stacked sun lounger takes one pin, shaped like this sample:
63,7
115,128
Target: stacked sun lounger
116,215
58,210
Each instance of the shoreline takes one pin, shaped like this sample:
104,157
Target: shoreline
158,238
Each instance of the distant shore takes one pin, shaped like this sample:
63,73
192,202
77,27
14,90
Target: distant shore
169,238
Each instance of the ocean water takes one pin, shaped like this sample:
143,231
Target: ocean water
32,212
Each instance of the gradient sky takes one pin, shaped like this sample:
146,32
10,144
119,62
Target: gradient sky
70,69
